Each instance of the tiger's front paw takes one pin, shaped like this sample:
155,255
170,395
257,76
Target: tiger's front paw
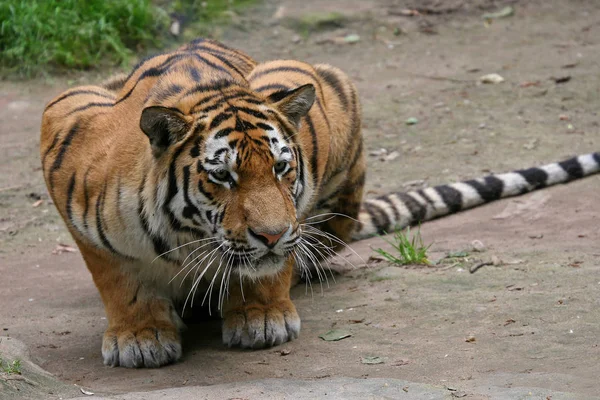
147,346
258,326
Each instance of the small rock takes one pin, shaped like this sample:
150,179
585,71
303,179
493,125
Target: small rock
491,78
470,339
296,39
412,121
478,246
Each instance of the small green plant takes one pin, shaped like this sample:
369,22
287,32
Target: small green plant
10,367
410,249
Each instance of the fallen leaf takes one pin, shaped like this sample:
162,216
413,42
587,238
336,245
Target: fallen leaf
372,360
63,248
503,13
86,392
561,79
352,38
390,157
400,363
564,117
412,121
405,388
334,335
509,321
37,203
570,65
470,339
540,236
356,321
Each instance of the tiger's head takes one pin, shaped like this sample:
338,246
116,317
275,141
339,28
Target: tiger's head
233,169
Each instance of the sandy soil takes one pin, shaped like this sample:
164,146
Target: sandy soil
534,319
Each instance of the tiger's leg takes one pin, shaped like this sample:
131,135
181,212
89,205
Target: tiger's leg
142,326
259,312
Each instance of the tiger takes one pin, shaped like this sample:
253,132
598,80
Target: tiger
205,171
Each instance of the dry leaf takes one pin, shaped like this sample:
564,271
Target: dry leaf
63,248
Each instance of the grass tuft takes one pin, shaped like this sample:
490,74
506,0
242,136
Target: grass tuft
410,250
10,367
37,34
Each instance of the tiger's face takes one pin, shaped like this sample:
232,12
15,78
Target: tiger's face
243,179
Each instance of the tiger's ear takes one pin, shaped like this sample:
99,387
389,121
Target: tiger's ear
295,103
163,126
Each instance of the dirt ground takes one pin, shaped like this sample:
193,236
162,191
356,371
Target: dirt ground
531,321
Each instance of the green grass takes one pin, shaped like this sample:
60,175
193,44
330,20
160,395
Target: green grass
48,36
409,250
10,367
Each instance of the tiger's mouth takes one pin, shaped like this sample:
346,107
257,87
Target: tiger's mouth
255,267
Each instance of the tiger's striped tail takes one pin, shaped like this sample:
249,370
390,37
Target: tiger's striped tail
398,210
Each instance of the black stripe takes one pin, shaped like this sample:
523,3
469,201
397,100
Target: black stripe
378,216
490,190
332,79
240,56
86,198
152,72
392,206
70,191
424,195
596,157
254,113
219,85
215,66
101,234
54,142
160,246
314,154
301,71
281,91
190,209
61,152
450,196
572,168
534,176
88,106
264,126
223,132
267,71
301,174
164,94
76,92
227,62
417,210
219,119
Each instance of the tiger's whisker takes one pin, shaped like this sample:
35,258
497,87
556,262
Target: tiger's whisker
179,247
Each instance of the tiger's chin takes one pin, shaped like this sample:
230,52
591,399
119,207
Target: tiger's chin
268,265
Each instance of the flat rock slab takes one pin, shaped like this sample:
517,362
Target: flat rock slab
338,388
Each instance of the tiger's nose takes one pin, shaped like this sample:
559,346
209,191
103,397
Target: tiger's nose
269,239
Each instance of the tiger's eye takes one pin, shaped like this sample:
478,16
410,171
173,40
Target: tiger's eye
279,167
220,174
